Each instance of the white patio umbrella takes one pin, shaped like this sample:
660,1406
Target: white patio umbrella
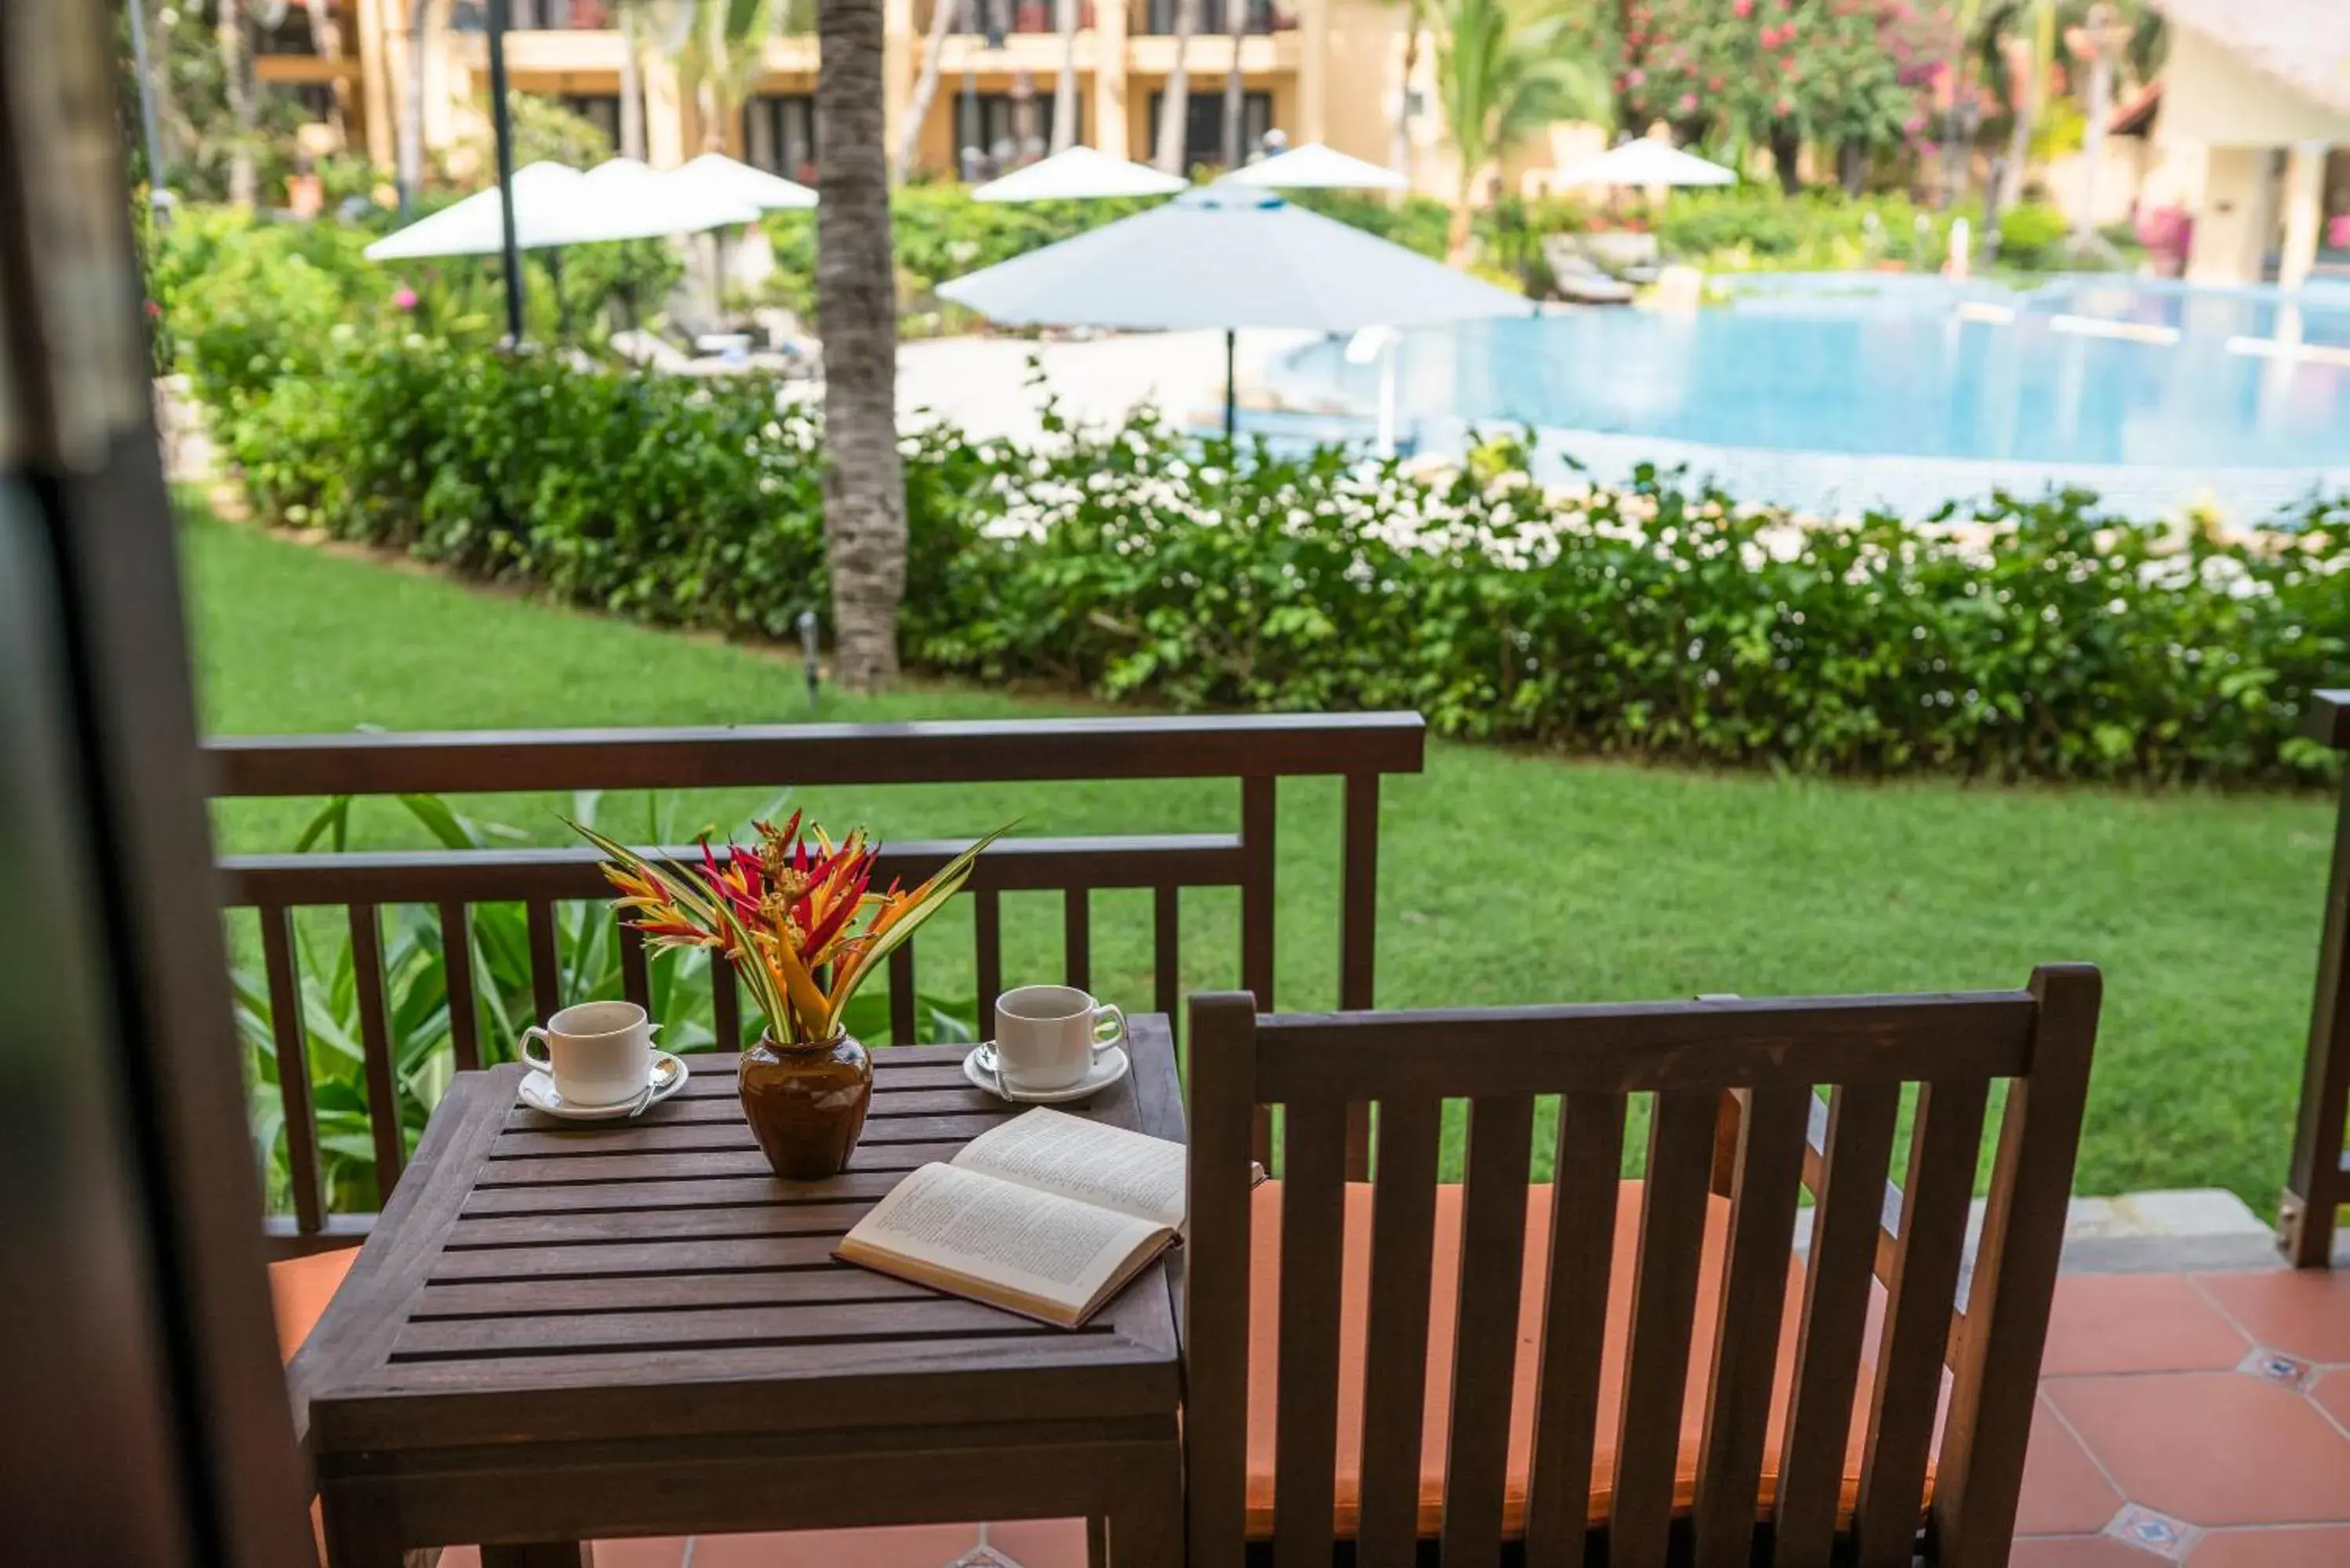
1646,162
1171,269
621,199
1078,174
1315,167
730,179
545,210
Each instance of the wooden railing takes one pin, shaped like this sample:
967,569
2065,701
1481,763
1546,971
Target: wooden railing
2317,1183
1257,752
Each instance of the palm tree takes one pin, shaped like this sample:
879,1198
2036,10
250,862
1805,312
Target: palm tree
1065,83
722,58
857,316
1175,103
1500,77
925,87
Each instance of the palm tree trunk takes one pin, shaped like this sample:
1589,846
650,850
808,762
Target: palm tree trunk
926,89
236,86
1235,91
1175,103
1460,232
1065,85
632,101
857,316
412,124
1399,147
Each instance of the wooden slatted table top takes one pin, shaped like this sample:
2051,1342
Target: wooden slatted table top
539,1280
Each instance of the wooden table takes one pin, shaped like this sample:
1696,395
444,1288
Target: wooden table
562,1331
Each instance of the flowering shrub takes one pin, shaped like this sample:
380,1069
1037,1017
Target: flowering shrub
2022,637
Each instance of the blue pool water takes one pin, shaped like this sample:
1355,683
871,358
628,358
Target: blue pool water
1892,367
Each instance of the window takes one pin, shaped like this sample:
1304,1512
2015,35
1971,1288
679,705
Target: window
1203,124
1215,16
561,15
998,136
601,110
779,134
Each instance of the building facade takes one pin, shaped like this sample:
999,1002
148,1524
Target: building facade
1317,70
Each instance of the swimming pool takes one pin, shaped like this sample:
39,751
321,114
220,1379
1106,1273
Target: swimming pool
1891,387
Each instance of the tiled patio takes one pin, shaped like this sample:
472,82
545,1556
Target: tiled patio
2187,1418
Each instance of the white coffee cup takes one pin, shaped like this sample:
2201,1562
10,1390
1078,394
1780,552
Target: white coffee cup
1046,1037
598,1052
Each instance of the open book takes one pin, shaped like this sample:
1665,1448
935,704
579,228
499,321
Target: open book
1046,1215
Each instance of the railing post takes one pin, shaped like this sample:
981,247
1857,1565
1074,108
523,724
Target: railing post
2313,1188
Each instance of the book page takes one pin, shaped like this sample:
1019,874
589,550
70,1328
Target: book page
1090,1161
1045,1254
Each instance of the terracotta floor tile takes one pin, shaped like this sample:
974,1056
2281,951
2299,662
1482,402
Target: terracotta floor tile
2136,1322
2211,1448
653,1552
1042,1542
907,1546
2079,1551
2306,1312
2328,1546
2333,1392
2064,1493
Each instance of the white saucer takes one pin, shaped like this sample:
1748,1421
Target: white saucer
668,1076
1109,1067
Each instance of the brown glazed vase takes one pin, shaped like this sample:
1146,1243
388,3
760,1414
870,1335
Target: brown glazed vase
806,1103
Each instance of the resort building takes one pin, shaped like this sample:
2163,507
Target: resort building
1317,70
2248,134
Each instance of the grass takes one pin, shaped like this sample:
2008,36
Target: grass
1505,879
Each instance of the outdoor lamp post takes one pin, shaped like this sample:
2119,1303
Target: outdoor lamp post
158,198
502,123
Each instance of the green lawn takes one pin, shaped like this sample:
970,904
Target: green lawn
1507,878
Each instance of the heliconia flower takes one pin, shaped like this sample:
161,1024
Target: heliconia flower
785,915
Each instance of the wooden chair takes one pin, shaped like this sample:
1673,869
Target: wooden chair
1629,1372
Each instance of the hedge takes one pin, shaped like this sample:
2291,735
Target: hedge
2024,637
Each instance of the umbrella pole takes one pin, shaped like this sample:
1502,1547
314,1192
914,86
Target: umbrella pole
502,121
1232,387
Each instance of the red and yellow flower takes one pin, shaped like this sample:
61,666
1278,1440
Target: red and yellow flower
801,923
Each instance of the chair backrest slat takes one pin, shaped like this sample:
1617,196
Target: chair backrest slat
1358,915
1945,1135
1667,1332
1485,1331
1994,1387
1585,1172
1222,1079
1857,1144
1257,814
1664,1306
379,1070
1766,1176
1313,1230
1395,1334
457,972
290,1034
